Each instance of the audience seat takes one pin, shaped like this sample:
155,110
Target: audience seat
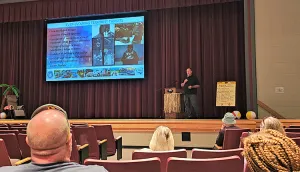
4,128
297,140
114,145
292,130
205,154
87,135
5,159
232,138
25,149
292,134
12,145
79,153
230,164
141,165
162,155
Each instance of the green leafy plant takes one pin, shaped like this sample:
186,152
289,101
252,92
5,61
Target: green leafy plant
9,89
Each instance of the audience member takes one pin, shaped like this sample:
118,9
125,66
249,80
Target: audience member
162,140
50,141
269,150
228,122
272,123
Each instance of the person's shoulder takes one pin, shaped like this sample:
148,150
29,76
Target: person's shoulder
77,167
19,168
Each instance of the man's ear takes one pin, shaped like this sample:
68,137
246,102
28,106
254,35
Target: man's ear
27,140
69,142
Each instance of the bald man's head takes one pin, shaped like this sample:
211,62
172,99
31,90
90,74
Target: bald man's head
48,134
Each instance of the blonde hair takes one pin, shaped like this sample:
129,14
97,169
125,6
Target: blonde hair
272,123
270,150
162,139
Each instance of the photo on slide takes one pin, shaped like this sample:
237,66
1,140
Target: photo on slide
129,54
129,33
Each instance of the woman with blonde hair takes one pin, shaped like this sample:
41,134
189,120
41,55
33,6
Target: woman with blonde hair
270,150
162,139
272,123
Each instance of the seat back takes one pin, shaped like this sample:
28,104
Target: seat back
4,157
9,131
244,134
4,128
25,149
297,140
206,154
232,138
3,125
204,165
106,132
162,155
294,126
18,128
12,145
74,154
292,134
292,130
87,135
141,165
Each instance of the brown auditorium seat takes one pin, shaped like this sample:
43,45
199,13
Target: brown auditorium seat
3,125
87,135
204,165
297,140
162,155
294,126
16,132
292,134
113,144
141,165
5,159
292,130
12,145
244,134
232,138
18,128
25,149
4,128
79,153
205,154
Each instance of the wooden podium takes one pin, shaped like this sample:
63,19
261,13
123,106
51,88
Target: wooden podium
173,103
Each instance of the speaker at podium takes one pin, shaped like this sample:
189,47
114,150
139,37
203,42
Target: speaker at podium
173,103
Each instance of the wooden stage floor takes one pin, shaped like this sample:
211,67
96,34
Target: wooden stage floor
177,125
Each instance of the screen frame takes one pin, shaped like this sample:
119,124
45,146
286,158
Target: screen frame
96,17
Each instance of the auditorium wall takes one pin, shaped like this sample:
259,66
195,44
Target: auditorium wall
277,26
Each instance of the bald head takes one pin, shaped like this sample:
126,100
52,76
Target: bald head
48,133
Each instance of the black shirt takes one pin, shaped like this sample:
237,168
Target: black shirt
192,80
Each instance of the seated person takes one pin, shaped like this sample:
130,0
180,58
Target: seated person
130,56
50,141
228,122
272,123
269,150
162,140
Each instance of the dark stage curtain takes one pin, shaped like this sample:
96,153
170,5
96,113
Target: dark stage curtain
208,38
42,9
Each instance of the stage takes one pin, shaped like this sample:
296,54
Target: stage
177,125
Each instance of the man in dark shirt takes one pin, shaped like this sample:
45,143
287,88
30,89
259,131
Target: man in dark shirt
190,85
228,122
130,56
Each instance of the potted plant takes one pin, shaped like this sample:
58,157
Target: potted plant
9,89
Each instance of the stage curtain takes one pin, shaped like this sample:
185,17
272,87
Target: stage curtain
42,9
208,38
